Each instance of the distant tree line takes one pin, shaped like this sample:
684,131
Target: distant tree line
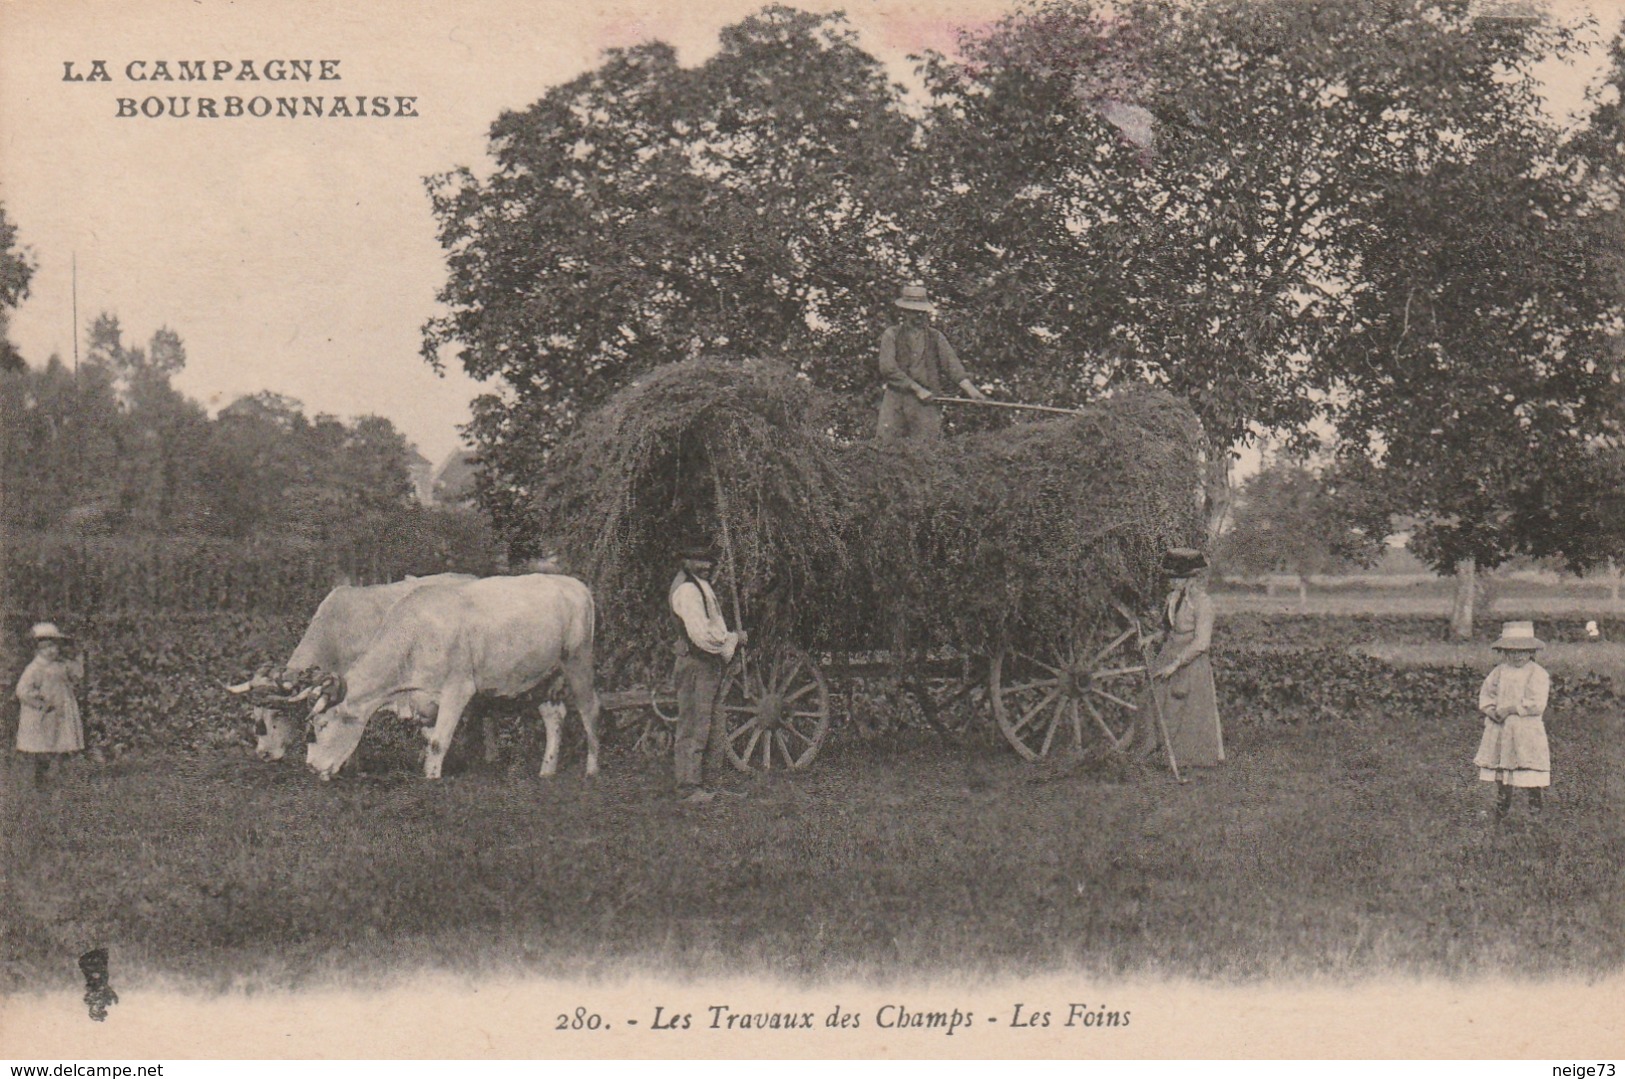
115,448
116,490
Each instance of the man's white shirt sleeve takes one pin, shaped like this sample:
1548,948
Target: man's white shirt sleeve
707,634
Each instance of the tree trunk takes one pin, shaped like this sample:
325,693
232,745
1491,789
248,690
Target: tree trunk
1461,611
1218,494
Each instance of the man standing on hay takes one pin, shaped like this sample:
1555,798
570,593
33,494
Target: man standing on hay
703,650
917,363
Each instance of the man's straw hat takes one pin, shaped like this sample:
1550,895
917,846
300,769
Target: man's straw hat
915,298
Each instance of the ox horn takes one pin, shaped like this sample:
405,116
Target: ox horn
240,688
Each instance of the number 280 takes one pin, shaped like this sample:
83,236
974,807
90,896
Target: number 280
581,1020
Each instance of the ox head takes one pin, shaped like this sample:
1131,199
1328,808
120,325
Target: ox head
335,731
274,732
277,698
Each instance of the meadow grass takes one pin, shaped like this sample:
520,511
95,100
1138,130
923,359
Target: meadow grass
1348,849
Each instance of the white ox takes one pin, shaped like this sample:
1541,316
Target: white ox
339,632
440,646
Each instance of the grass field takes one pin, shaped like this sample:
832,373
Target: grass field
1349,846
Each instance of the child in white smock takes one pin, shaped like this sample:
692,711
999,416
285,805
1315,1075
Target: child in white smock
1513,751
49,723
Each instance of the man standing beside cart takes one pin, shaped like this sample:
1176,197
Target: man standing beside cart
917,364
704,649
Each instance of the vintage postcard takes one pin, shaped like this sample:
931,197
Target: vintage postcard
635,530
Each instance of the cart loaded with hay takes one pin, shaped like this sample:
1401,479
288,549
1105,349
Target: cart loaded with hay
1012,566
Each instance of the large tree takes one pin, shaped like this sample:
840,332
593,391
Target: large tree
1226,247
1357,213
646,212
1478,366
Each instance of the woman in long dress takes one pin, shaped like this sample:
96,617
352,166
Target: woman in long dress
1182,673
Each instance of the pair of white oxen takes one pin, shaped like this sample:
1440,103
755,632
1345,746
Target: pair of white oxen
422,648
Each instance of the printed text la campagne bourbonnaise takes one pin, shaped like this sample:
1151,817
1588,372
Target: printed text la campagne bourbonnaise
273,103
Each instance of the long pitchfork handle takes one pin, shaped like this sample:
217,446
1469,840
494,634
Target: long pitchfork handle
1156,708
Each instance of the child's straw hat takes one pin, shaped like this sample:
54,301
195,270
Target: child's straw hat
1518,637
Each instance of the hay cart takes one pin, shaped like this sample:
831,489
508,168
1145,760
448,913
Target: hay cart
851,563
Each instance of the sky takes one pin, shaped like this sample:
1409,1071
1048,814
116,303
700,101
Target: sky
299,255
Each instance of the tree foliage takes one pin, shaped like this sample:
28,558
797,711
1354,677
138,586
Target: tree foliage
645,213
1293,213
16,271
1478,363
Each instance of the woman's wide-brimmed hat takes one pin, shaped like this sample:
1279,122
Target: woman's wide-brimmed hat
1518,637
47,631
1183,561
915,298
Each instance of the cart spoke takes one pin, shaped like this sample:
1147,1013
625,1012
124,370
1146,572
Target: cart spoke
1044,683
1056,671
1054,723
790,671
1104,728
767,753
755,736
1118,672
1027,716
737,709
1116,643
1077,725
1114,699
744,728
802,692
797,731
784,748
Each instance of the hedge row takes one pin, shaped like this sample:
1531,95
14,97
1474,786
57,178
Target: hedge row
57,577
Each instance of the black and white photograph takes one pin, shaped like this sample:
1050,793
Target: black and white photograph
1044,529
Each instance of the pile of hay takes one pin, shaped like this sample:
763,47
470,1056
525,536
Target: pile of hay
1024,534
1030,534
643,474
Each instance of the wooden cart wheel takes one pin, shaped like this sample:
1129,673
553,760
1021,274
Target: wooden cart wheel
774,710
659,729
664,704
1081,691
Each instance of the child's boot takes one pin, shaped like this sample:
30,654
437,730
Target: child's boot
1535,800
1503,800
